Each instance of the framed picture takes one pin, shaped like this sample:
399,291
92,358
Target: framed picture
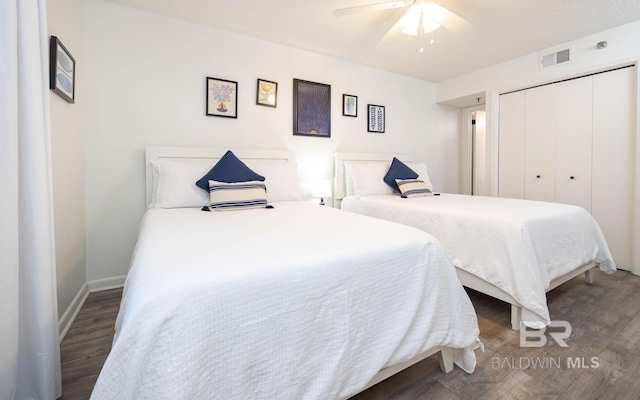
311,108
349,105
62,70
375,118
222,98
267,93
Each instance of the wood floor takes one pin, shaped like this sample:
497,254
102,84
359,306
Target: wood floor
87,344
602,360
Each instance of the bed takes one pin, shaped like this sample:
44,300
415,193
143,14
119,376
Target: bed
513,250
298,301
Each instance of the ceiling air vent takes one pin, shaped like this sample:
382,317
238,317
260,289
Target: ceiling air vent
555,58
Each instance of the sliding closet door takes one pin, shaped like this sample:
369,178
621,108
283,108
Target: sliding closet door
573,142
540,139
511,145
614,160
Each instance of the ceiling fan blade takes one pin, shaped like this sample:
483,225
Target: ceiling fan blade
341,12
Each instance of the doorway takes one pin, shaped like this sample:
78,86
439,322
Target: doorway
479,184
475,177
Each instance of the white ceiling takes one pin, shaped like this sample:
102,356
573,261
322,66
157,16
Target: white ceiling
500,29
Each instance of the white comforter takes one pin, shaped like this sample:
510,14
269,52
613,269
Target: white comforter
516,245
296,302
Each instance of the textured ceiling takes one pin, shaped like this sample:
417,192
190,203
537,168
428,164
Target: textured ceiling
499,30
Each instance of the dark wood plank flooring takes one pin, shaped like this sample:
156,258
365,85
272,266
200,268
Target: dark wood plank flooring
605,320
87,344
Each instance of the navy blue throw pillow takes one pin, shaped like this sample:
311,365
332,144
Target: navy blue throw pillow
398,170
228,169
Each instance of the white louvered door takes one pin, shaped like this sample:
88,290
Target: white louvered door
614,158
540,149
573,142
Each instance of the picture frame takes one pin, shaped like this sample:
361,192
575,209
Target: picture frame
267,93
311,108
222,98
349,105
62,70
375,118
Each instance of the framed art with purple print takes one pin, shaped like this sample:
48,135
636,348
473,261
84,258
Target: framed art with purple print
311,108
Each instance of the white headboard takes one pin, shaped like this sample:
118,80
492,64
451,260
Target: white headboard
340,158
213,154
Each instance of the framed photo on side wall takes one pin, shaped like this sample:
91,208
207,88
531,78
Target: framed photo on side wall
311,108
62,70
222,98
375,118
349,105
267,93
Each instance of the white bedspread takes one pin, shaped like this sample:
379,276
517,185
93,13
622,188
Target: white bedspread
516,245
296,302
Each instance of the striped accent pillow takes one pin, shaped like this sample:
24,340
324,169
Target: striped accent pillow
237,195
413,188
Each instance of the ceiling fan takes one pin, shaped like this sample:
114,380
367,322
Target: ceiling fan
414,17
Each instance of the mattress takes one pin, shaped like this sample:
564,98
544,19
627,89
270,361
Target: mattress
296,302
519,246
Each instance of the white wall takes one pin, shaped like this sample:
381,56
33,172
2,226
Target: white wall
145,77
623,47
67,141
623,44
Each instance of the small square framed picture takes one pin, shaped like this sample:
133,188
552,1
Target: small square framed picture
375,118
222,98
62,70
349,105
267,93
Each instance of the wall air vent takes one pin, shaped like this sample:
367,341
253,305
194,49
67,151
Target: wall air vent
555,58
563,56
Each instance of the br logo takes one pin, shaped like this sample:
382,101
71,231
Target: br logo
558,330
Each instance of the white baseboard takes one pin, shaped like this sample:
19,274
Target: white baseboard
74,308
106,284
72,311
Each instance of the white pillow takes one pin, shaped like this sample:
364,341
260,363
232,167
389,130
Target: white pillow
177,183
154,183
348,182
367,177
237,195
413,188
281,178
423,173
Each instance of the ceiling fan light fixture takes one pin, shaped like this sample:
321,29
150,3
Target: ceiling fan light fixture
427,16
